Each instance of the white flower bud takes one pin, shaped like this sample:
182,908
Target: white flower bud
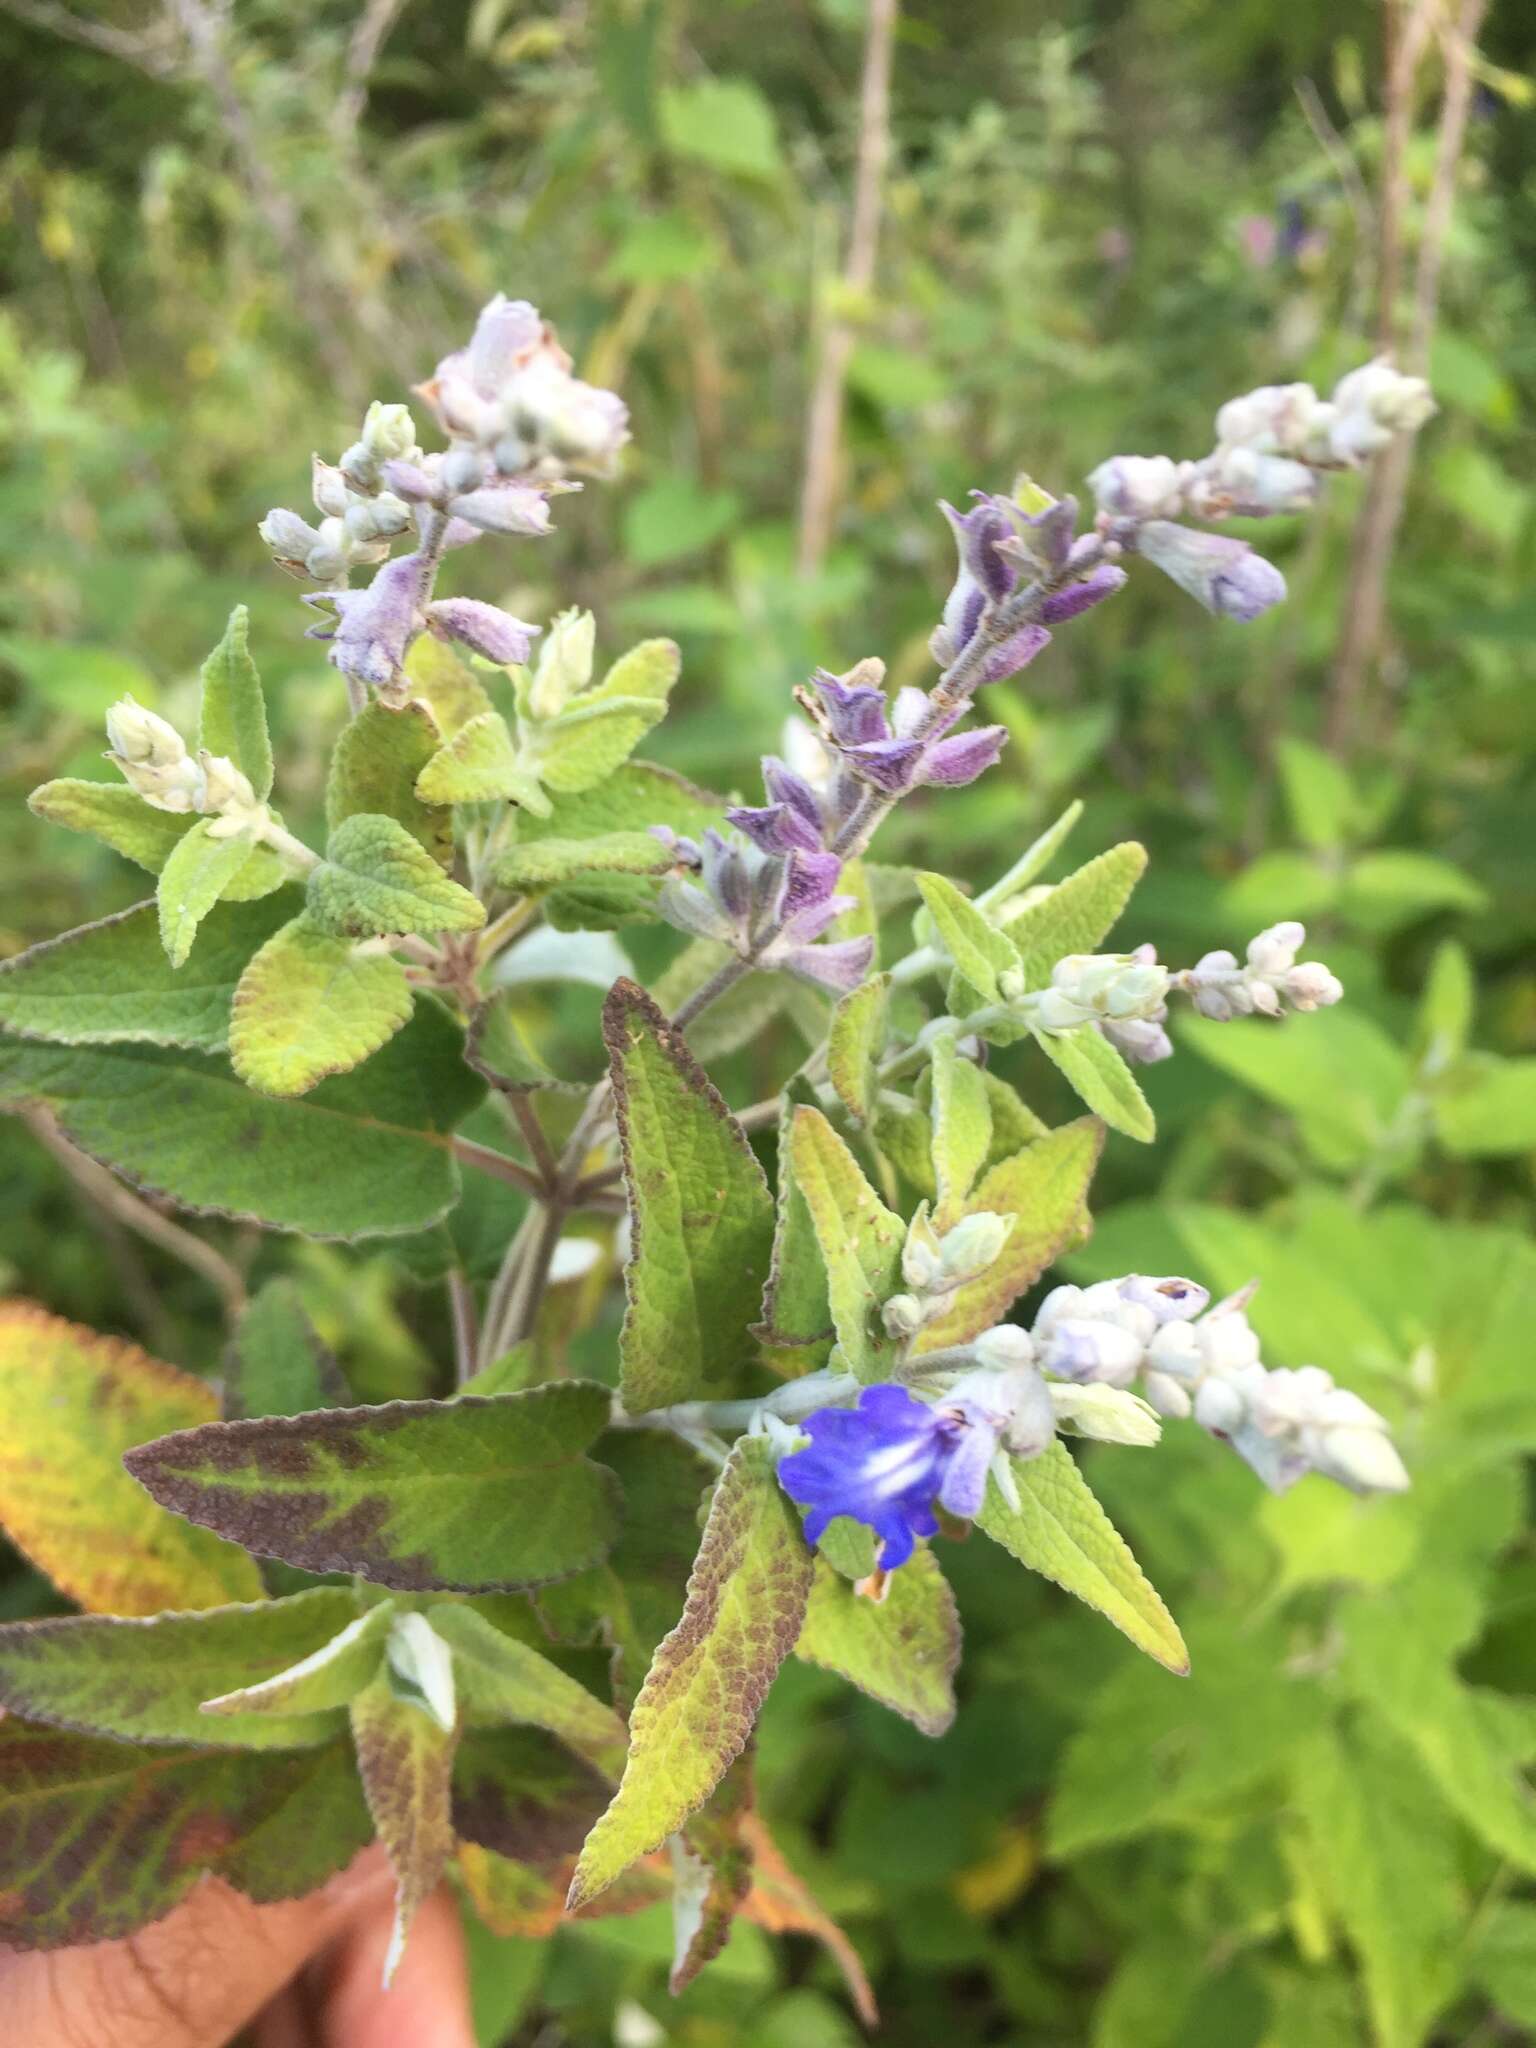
1365,1460
329,488
921,1256
225,787
1275,419
290,538
1138,487
1171,1299
1106,1413
565,663
1219,1407
1078,1349
1061,1301
142,737
1274,950
1002,1347
389,432
1228,1342
1311,986
462,469
903,1315
971,1247
1168,1396
1177,1351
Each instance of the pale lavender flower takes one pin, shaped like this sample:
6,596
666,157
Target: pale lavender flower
484,627
374,627
1223,574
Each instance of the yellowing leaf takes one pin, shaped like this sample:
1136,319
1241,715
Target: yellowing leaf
309,1005
73,1403
902,1650
377,881
860,1239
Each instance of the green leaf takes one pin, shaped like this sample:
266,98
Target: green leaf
1447,1007
309,1005
903,1650
962,1129
379,756
1338,1072
546,863
474,1496
78,679
1101,1079
1504,1958
998,898
723,122
73,1404
145,1680
1078,913
978,949
1060,1530
363,1154
328,1677
233,718
603,726
1319,794
855,1041
1485,1108
405,1761
115,815
478,765
1398,885
110,981
632,799
675,516
194,877
860,1239
700,1209
98,1839
796,1309
451,691
377,881
746,1603
277,1364
1044,1189
501,1679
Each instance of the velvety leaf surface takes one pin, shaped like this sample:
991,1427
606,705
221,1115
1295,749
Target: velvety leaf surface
73,1403
859,1237
1060,1531
405,1761
196,873
712,1866
546,863
327,1677
377,880
233,719
469,1496
518,1792
962,1130
363,1154
98,1839
903,1650
854,1044
632,799
499,1677
145,1680
796,1309
451,691
479,765
1079,913
310,1005
1101,1078
603,726
276,1364
379,755
114,814
1045,1189
110,981
700,1209
696,1711
978,949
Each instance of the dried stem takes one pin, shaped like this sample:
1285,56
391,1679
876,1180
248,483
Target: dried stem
824,416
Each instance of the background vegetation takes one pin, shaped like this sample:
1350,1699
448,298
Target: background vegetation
1100,218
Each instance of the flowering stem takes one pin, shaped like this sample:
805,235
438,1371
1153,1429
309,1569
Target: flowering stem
283,843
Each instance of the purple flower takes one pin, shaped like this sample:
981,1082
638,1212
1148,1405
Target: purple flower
1223,574
484,627
374,627
904,750
886,1463
1080,597
504,508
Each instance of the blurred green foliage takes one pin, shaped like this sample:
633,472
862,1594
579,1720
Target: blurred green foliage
1103,217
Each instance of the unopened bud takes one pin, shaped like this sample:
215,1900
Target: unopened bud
329,489
1219,1407
972,1246
389,432
565,663
903,1316
1273,951
1311,986
1079,1349
1138,486
1002,1347
1171,1300
1107,1413
1363,1459
290,538
142,738
922,1258
1168,1396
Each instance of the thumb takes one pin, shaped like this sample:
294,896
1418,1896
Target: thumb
190,1981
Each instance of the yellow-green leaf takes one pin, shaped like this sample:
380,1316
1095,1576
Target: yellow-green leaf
309,1005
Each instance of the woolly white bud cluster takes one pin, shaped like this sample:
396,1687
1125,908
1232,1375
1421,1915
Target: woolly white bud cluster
360,516
1123,994
933,1266
1269,979
158,765
1207,1366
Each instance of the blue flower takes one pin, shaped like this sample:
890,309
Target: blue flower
886,1463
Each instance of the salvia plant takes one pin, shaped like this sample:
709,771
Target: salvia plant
524,1631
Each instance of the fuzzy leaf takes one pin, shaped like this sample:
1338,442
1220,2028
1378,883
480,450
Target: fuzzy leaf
603,726
73,1403
145,1680
405,1761
1079,912
712,1866
114,814
632,799
903,1650
469,1496
1061,1531
480,764
979,950
520,1793
374,770
233,719
377,881
860,1239
449,688
109,982
997,898
316,1684
194,877
546,863
1101,1079
363,1154
746,1602
1045,1189
99,1839
702,1215
502,1679
962,1130
855,1042
796,1310
310,1005
276,1364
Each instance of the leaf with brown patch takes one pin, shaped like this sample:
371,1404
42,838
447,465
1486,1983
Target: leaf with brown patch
700,1701
701,1211
712,1862
73,1403
902,1650
471,1496
405,1760
782,1903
